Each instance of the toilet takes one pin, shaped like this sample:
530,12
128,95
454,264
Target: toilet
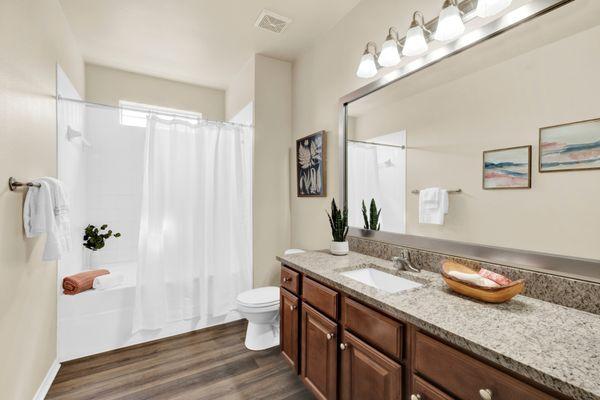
260,307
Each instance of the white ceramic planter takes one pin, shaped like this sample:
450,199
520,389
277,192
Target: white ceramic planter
338,248
89,259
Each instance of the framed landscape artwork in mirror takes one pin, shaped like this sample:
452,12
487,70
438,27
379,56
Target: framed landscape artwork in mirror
508,168
570,147
311,167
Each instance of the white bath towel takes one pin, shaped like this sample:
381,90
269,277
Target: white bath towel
433,206
109,281
46,210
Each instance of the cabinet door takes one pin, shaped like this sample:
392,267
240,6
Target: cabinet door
366,373
319,353
288,329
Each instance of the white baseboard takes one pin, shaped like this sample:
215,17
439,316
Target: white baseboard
47,382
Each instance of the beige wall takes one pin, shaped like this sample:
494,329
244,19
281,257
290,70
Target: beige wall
449,126
267,83
325,72
240,91
34,36
108,86
321,75
271,187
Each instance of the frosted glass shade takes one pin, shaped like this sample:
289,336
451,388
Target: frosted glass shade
450,24
389,55
487,8
367,67
415,43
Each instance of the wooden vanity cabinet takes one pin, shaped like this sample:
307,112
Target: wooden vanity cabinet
319,353
289,328
346,350
466,377
366,373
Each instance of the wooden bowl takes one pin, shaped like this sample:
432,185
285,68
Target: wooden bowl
489,295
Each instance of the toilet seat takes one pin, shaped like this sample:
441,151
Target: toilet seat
264,297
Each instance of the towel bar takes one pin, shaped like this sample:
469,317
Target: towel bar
449,191
13,184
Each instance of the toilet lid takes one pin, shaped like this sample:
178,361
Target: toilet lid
259,297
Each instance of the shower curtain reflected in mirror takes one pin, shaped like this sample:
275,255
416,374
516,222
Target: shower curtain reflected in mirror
377,172
195,244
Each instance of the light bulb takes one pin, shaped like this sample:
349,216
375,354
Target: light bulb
487,8
415,43
450,25
389,55
367,67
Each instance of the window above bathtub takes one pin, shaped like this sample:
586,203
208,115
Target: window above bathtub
134,114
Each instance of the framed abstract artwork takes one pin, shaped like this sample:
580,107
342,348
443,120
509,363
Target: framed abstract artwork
508,168
311,165
570,147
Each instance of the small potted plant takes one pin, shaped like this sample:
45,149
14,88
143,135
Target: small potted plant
338,220
371,218
94,239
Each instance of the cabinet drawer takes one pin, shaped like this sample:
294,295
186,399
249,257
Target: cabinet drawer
422,390
465,377
320,297
379,330
290,280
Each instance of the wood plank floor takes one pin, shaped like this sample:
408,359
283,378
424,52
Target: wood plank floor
209,364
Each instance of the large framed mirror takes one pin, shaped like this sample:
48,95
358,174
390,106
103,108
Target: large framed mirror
512,105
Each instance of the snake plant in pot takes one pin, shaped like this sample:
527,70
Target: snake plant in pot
371,217
338,220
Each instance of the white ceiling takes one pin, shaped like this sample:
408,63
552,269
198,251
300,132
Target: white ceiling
205,42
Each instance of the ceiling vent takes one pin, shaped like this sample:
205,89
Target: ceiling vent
272,22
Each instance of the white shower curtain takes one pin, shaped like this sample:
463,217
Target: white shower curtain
363,180
195,246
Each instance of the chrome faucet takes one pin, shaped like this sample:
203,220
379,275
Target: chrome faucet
403,262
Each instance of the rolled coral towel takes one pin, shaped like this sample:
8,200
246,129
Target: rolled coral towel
108,281
492,276
82,281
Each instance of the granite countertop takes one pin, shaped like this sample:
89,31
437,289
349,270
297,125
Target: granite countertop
556,346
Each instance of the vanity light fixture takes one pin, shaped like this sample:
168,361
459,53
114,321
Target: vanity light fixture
390,50
368,65
415,43
487,8
450,24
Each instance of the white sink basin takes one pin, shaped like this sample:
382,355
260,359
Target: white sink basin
381,280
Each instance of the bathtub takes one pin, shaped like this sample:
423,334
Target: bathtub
96,321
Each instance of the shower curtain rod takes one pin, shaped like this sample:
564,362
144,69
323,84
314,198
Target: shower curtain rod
92,104
377,144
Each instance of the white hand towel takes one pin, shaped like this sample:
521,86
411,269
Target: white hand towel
475,279
109,281
46,211
433,206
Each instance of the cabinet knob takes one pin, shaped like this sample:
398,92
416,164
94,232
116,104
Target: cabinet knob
292,307
485,394
330,336
286,279
343,346
415,397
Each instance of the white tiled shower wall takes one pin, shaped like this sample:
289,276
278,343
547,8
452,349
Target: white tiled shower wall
114,168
